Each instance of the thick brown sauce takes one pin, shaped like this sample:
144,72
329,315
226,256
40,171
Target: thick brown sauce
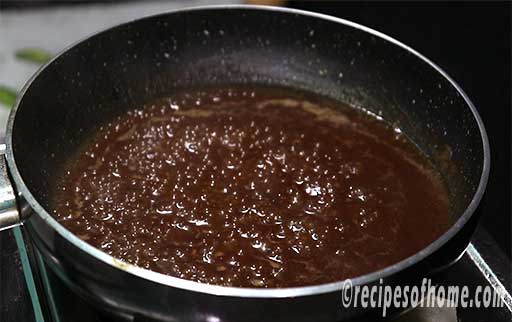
252,187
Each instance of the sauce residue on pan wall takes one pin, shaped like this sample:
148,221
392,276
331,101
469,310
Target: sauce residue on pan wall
252,187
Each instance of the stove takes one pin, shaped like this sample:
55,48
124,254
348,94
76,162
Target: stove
31,292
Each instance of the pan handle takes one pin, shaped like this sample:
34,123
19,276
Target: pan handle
9,215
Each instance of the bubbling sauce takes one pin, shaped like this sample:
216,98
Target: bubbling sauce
252,187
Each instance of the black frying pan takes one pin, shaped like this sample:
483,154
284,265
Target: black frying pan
125,66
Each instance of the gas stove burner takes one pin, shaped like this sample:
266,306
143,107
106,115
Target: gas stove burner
47,299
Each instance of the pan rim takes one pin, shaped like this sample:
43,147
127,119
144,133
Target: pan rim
175,282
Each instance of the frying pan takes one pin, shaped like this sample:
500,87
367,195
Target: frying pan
122,67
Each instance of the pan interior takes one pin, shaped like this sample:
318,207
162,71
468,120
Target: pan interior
129,65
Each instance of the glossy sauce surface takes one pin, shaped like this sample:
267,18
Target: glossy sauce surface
252,187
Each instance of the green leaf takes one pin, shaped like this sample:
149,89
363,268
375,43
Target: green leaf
7,96
34,55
